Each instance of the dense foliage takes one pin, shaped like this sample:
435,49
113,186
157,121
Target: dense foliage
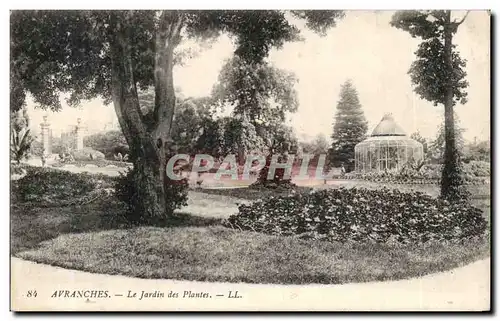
473,173
477,151
51,187
278,180
109,143
478,168
349,128
319,145
20,135
436,148
87,154
361,215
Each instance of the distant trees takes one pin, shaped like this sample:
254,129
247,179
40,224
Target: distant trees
109,143
477,151
422,140
434,149
191,117
261,95
319,145
437,147
349,128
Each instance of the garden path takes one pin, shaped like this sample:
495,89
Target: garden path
464,288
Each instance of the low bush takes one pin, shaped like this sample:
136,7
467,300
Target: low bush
128,192
98,163
428,174
478,168
50,187
87,154
361,215
17,169
278,180
279,185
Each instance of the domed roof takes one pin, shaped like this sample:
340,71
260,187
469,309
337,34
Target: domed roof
388,127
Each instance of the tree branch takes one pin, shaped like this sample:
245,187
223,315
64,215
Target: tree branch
458,23
124,91
176,29
167,39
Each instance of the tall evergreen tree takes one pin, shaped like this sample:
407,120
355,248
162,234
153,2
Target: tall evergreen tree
349,128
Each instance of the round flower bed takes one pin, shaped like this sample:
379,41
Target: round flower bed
361,215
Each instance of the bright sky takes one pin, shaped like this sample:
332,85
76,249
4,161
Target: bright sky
364,48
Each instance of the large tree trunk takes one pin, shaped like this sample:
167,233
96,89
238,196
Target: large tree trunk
450,180
167,38
148,144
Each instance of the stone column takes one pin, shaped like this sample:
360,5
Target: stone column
79,134
47,146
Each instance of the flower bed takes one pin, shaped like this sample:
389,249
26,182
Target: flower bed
52,187
361,215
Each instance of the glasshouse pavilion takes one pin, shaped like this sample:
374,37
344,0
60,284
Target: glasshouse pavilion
388,148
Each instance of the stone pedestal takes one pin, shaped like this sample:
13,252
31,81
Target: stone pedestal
46,143
79,134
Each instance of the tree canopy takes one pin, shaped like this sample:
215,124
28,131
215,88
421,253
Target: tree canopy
427,71
70,51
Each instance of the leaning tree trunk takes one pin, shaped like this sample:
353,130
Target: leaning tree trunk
148,142
450,180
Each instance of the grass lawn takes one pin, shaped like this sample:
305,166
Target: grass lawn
219,254
194,246
246,193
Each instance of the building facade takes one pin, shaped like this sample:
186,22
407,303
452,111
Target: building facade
387,149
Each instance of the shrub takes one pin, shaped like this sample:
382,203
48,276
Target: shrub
361,215
17,169
127,191
478,168
278,180
87,154
98,163
427,174
52,187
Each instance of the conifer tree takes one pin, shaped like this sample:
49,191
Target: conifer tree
349,128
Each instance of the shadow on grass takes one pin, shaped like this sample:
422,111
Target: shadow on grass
182,219
31,225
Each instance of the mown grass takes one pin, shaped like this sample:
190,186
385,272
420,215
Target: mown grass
219,254
248,193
